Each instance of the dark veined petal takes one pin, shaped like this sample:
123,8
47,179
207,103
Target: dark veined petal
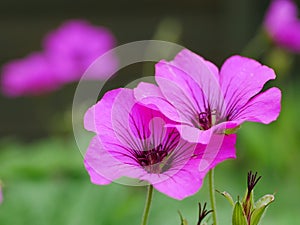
242,78
180,90
263,108
102,165
202,72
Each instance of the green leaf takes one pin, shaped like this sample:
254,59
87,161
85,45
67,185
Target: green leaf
260,207
238,216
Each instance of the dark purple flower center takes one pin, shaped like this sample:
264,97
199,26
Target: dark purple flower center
152,160
205,120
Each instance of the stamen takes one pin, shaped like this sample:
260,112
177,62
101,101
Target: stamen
157,159
205,120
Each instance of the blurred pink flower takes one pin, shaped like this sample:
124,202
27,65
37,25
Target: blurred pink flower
203,100
283,25
32,75
78,43
68,52
132,140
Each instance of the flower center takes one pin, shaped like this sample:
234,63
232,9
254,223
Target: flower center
204,119
153,161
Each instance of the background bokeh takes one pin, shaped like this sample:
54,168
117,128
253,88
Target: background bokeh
44,180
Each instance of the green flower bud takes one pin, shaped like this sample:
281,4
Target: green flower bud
260,207
238,216
248,212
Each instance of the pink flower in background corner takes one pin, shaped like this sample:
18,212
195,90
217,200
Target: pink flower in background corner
68,52
78,43
204,100
283,25
132,140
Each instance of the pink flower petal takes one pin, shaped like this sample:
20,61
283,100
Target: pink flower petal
180,90
184,184
203,73
151,96
103,110
263,108
241,78
103,167
193,134
196,67
220,148
183,178
188,180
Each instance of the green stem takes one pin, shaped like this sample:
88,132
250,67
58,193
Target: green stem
212,196
147,205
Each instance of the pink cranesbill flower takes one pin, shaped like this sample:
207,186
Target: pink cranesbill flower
78,43
132,141
282,24
203,100
68,52
32,75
